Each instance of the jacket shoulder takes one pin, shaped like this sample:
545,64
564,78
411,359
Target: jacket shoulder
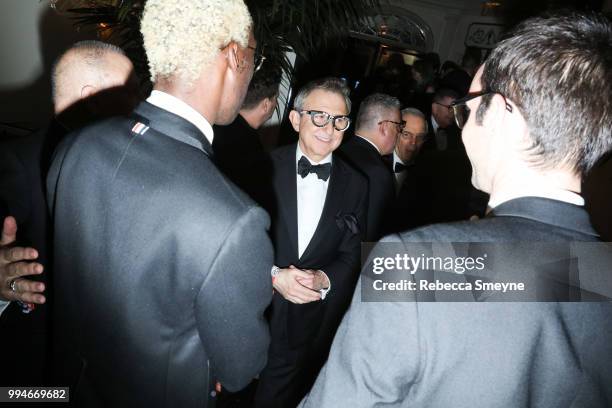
347,168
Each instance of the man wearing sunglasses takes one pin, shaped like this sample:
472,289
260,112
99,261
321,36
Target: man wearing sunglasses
318,210
377,127
537,119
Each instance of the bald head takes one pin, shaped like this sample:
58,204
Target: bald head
87,68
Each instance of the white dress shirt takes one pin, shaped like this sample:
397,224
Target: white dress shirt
3,306
174,105
311,194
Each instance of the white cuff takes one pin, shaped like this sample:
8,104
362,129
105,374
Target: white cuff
325,291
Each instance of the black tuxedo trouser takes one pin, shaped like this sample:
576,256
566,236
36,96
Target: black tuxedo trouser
288,377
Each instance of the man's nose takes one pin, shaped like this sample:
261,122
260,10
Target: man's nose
329,127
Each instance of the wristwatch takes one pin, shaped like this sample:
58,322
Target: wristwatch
274,272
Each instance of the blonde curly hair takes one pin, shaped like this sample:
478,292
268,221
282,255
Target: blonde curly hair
183,37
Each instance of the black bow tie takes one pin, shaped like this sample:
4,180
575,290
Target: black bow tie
399,167
321,170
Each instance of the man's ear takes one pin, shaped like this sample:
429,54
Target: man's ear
87,91
232,54
266,105
295,119
495,112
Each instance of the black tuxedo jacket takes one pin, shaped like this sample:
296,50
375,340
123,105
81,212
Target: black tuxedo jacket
363,156
162,266
334,248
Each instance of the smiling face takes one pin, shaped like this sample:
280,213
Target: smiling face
318,142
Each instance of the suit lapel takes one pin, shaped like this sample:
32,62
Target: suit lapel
333,204
172,126
286,192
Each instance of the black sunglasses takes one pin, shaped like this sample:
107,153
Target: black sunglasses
461,111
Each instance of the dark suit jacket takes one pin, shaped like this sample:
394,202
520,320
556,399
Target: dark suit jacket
453,137
498,354
24,162
410,201
437,188
364,157
162,266
237,148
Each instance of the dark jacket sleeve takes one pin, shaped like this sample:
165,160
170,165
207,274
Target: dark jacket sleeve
382,193
14,185
343,272
231,303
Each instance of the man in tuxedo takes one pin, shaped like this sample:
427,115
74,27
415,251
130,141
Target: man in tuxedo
161,264
502,354
408,144
318,207
237,146
376,129
91,80
410,183
446,170
443,133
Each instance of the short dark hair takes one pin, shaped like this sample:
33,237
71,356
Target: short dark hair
445,93
372,109
426,69
558,71
416,112
330,84
265,84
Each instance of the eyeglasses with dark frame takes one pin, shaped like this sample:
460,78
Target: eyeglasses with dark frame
258,58
446,106
321,119
400,125
461,111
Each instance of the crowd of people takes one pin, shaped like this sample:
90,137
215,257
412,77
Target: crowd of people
183,265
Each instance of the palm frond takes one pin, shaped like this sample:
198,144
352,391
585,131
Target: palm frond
281,26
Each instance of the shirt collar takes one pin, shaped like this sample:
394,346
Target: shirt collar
434,124
370,142
174,105
299,154
396,159
552,193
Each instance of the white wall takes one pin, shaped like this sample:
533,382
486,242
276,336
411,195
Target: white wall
33,35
